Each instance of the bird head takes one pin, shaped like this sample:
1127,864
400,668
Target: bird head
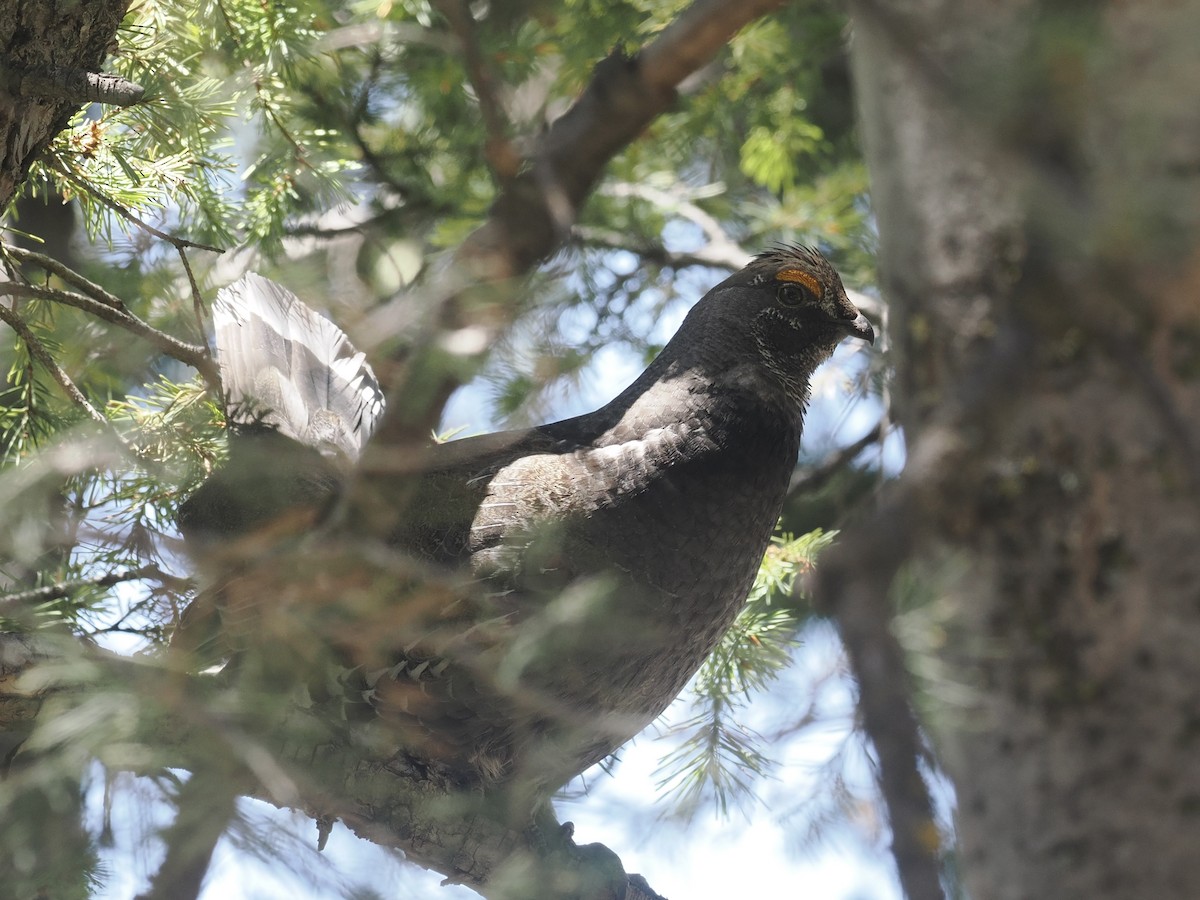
787,310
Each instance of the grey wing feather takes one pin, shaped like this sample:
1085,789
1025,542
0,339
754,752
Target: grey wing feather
286,367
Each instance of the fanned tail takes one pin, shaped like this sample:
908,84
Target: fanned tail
301,403
288,368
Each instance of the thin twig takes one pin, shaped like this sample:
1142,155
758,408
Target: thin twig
197,299
62,589
298,151
676,201
205,805
39,352
731,257
370,36
95,193
853,580
810,480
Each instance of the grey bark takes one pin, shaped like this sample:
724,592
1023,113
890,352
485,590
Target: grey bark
1036,171
37,39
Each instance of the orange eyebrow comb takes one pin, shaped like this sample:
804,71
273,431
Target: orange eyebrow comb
801,277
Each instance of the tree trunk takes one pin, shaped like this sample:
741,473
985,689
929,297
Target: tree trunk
1036,172
39,41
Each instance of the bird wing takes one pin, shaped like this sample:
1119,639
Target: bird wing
528,516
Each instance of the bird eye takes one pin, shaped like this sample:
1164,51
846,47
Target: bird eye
791,294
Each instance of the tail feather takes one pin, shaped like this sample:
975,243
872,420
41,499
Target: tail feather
288,368
301,403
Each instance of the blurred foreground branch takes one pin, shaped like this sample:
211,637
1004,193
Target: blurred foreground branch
304,758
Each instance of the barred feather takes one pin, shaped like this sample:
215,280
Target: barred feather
288,368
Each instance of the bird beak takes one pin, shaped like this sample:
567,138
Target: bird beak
861,328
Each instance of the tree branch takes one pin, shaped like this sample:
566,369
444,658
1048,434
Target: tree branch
533,215
194,355
534,212
499,152
83,34
66,273
853,579
80,86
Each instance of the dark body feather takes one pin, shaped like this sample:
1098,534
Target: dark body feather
603,555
